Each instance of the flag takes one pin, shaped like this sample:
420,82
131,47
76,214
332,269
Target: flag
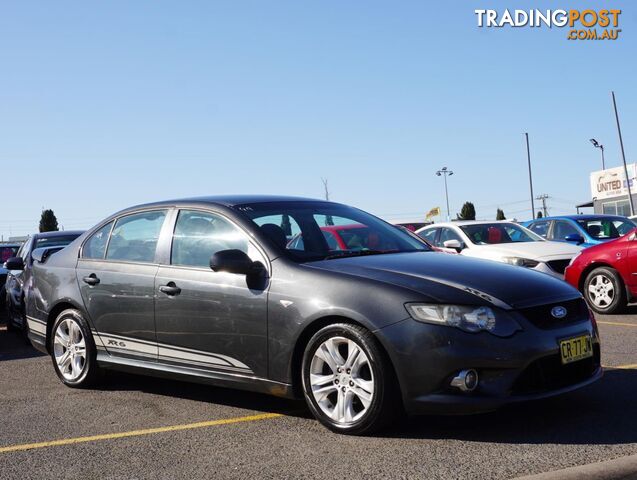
434,212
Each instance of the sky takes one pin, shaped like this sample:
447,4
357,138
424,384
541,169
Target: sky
104,105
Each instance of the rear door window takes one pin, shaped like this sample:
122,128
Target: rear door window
95,246
134,237
562,228
540,228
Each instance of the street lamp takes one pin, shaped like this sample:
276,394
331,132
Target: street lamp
444,171
596,144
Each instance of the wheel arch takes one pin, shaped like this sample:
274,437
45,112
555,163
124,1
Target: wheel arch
305,336
589,268
58,308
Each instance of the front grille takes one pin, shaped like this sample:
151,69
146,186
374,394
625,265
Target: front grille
541,317
558,265
548,374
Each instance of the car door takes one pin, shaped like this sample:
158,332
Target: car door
628,268
210,320
116,273
14,285
447,233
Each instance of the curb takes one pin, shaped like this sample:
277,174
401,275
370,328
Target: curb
623,468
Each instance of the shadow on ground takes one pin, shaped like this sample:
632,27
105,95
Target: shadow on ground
602,414
13,346
119,381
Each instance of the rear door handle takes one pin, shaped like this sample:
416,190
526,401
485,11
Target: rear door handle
170,289
91,279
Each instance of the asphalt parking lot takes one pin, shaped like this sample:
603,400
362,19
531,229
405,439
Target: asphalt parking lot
151,428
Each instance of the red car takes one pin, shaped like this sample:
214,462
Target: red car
606,274
350,237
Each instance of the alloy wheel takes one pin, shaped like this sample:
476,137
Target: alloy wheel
601,291
69,349
342,380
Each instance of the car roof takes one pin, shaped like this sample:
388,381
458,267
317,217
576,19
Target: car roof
10,245
588,216
229,200
460,223
60,233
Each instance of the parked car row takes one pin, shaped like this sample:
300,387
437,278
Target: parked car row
18,267
594,253
502,241
313,299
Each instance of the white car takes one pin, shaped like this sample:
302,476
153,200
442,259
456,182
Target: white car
502,241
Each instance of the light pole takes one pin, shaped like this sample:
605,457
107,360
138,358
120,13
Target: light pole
621,144
528,156
596,144
444,171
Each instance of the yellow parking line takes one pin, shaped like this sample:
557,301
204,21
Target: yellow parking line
619,324
135,433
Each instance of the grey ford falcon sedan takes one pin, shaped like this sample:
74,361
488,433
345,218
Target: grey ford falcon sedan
214,290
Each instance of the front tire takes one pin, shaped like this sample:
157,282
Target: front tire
348,382
73,350
604,290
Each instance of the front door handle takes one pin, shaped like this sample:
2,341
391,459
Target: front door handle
170,289
91,279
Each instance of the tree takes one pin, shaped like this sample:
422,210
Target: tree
539,214
48,221
499,215
468,212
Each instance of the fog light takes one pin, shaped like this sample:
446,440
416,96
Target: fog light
466,380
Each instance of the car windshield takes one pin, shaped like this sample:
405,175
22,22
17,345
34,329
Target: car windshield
603,228
55,241
309,231
494,233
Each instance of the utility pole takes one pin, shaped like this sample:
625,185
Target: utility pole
528,155
543,197
621,143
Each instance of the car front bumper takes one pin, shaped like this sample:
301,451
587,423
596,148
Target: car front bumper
526,366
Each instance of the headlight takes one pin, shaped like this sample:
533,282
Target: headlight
520,262
467,318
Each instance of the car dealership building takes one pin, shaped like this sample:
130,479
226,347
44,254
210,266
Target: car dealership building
609,191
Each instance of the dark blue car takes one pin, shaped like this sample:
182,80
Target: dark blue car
584,230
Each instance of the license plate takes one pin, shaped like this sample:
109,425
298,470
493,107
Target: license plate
576,348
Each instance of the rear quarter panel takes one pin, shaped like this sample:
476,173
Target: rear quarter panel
53,283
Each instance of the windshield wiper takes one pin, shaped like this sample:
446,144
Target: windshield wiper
356,253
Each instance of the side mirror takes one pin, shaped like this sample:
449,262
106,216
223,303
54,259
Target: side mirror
455,244
14,263
41,254
235,261
575,238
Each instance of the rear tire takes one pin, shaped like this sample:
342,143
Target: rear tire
348,382
604,291
73,350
